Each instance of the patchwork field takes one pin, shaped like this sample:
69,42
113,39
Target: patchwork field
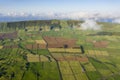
72,71
37,52
97,53
69,57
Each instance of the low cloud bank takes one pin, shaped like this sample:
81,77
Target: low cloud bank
90,25
116,21
80,15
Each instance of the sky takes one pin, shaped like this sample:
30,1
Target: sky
31,6
60,8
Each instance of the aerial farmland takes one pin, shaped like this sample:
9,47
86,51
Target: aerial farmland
59,50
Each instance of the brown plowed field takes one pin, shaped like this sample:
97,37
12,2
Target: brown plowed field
62,57
12,46
36,46
101,44
57,42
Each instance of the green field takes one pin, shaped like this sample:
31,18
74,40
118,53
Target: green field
34,51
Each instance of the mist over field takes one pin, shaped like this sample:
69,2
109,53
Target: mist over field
90,25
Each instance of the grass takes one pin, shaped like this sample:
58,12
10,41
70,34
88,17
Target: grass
13,63
40,42
42,71
97,53
72,69
32,58
89,67
43,58
78,70
29,75
43,52
93,75
69,50
104,63
100,67
1,47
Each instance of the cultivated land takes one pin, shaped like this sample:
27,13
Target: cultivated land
51,50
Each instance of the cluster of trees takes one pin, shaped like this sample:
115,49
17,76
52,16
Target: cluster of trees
39,25
3,27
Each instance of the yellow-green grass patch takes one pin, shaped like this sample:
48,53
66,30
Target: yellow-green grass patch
105,72
43,58
40,41
31,41
1,47
78,70
32,58
69,50
89,67
68,77
97,53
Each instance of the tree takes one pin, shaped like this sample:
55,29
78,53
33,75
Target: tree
40,29
65,46
63,23
82,49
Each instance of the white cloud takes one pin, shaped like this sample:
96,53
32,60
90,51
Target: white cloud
71,15
90,25
116,21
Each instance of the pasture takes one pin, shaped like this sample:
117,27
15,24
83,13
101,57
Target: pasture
40,53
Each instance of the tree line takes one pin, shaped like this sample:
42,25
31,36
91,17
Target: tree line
39,25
